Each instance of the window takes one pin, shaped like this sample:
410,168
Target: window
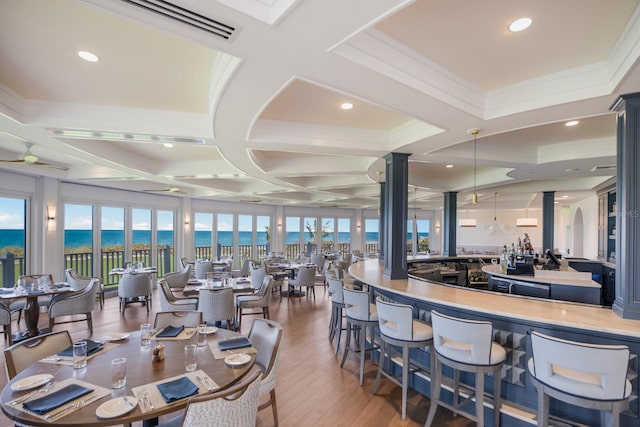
263,232
423,226
141,236
78,238
203,235
344,235
327,234
292,233
371,237
165,238
112,242
245,236
12,238
225,235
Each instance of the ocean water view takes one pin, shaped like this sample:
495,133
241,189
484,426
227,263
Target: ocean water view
83,238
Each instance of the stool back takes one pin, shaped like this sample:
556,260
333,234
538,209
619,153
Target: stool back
462,340
357,304
395,320
335,290
587,370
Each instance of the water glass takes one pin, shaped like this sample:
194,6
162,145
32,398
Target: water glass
145,334
79,354
190,357
118,372
202,335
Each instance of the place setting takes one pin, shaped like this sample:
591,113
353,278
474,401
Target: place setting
162,393
89,350
235,351
173,333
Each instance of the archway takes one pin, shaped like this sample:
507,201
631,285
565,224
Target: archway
578,233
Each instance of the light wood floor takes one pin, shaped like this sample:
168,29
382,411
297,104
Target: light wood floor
312,389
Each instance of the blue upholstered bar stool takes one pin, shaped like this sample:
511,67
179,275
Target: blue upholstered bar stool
587,375
399,328
465,345
361,315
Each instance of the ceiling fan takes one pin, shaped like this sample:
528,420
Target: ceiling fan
28,158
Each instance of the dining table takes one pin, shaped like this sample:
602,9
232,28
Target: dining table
32,307
141,399
240,285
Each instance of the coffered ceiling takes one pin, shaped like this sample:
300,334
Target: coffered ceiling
254,114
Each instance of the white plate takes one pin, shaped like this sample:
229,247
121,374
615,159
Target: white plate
210,330
31,382
116,407
116,336
237,359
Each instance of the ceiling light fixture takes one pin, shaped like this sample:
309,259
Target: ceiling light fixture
467,222
571,123
168,145
88,56
346,106
520,25
474,132
449,166
526,222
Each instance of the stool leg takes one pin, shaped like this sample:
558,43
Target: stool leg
363,341
456,390
405,379
436,374
339,330
332,322
346,344
480,398
543,407
497,399
383,346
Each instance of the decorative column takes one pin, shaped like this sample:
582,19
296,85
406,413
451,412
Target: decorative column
395,215
627,302
381,224
449,223
548,218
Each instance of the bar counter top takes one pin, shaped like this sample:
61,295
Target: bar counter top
570,278
571,315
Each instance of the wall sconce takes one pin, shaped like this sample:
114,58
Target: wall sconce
279,225
51,218
186,220
357,225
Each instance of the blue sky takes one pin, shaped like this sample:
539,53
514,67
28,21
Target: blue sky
11,213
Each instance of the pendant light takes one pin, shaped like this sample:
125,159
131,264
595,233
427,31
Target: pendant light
467,222
474,132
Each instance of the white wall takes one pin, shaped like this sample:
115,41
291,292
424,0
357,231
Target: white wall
589,208
501,231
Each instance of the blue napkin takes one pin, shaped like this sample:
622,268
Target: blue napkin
53,400
92,347
170,332
6,291
177,389
243,281
37,291
234,343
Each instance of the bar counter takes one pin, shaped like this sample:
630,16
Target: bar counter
513,317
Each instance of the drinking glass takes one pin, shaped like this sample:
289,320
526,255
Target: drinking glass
118,372
79,354
145,334
190,357
202,335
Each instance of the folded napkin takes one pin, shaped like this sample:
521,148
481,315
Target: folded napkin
37,291
243,281
177,389
92,347
59,286
170,332
234,343
7,291
53,400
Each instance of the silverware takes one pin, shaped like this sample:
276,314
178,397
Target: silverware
146,396
144,403
57,413
26,397
204,383
129,404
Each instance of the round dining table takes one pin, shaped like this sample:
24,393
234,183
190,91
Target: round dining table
140,371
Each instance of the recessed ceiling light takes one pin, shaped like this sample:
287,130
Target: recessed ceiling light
520,24
168,145
346,106
88,56
565,197
448,166
571,123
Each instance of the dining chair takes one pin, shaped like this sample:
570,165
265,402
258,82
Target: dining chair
203,267
217,305
318,260
265,336
5,321
20,355
586,375
78,282
278,275
134,287
260,299
465,345
186,318
257,275
236,406
170,302
245,270
306,277
74,303
178,279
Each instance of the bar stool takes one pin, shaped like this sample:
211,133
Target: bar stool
398,327
361,314
337,309
587,375
465,345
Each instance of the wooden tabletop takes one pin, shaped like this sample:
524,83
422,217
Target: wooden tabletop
140,371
